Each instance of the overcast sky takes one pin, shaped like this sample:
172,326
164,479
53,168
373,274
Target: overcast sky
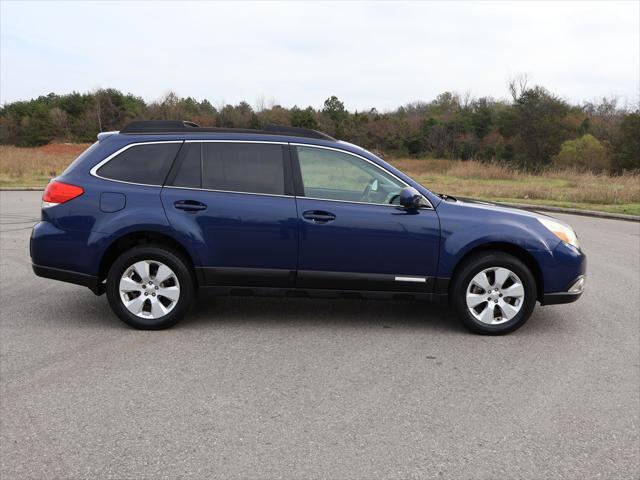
368,54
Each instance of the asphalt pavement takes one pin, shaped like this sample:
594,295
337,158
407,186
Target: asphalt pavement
300,388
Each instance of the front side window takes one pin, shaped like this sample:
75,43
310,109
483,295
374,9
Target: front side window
243,167
145,164
332,175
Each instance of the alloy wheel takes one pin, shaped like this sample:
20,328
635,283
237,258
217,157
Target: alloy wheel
495,295
149,289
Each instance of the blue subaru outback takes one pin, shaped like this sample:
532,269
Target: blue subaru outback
162,210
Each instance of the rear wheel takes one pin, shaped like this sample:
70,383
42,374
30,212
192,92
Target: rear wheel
494,293
150,287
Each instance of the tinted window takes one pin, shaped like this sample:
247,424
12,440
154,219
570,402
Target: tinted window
339,176
147,164
190,169
243,167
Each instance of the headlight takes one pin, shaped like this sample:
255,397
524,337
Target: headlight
560,230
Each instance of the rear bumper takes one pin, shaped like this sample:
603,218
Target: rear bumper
68,256
77,278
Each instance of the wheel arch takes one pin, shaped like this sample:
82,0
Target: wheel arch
139,238
520,253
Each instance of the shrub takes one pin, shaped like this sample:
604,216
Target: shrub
584,153
628,155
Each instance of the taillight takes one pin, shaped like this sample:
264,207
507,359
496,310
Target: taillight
59,192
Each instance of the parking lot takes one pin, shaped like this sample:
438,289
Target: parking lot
299,388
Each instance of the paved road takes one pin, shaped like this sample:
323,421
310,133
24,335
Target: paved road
295,388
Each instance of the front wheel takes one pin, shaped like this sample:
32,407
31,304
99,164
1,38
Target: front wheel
150,287
494,293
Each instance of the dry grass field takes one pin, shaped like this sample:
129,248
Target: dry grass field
33,167
564,188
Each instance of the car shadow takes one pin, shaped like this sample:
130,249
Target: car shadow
341,313
354,313
270,312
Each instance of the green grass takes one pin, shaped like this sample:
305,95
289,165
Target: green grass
626,208
31,181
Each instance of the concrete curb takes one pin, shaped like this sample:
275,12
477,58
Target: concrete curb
573,211
526,206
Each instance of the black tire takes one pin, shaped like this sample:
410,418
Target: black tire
477,264
171,259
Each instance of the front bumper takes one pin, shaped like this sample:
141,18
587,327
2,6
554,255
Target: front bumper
573,293
564,275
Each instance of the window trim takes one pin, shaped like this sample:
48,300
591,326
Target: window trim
236,141
94,170
296,160
293,164
230,191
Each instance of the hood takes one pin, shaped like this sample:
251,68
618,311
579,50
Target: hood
495,207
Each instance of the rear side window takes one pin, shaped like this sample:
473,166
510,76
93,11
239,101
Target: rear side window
189,172
243,167
146,164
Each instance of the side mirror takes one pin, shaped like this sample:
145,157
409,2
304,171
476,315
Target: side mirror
411,199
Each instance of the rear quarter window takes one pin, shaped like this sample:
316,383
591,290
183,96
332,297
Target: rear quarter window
79,160
144,164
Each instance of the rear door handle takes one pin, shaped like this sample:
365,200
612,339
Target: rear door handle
190,205
318,216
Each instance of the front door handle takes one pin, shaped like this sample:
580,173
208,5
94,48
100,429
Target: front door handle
190,205
318,216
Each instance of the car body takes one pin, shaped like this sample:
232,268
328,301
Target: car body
279,212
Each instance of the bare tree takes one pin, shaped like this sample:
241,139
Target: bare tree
98,112
518,85
466,99
260,104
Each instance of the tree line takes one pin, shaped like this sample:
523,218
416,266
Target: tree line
533,129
